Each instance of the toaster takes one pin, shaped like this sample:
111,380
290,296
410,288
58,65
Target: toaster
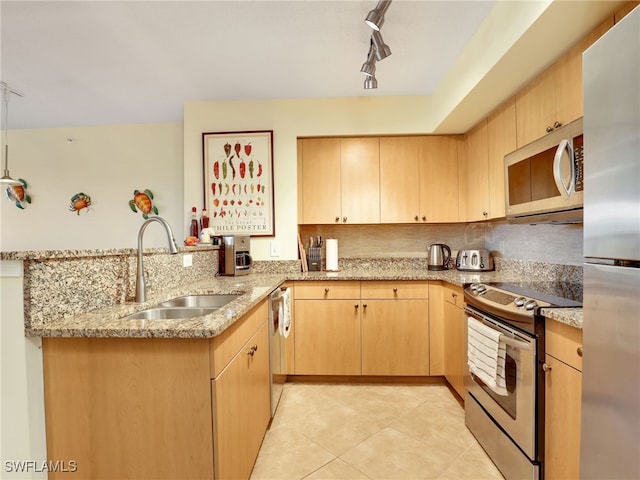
474,260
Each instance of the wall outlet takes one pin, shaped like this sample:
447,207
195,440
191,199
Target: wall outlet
187,260
275,248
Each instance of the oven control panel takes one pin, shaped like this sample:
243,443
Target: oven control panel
503,300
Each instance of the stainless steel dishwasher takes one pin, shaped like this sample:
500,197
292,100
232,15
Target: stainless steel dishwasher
279,325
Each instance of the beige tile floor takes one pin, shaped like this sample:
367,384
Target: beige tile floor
335,431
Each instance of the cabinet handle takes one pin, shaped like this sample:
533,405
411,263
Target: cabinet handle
485,213
416,218
326,290
395,290
549,128
557,124
454,294
252,350
424,218
356,306
579,351
364,306
546,368
344,219
337,219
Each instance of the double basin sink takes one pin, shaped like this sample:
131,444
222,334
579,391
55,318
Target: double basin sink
187,306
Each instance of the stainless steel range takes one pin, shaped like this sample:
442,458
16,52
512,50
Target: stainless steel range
508,420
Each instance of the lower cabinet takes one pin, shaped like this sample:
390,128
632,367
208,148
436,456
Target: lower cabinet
145,407
241,408
455,338
361,328
563,390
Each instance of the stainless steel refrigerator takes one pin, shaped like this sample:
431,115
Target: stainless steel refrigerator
610,430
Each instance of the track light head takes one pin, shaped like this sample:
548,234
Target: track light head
369,67
370,82
375,18
382,50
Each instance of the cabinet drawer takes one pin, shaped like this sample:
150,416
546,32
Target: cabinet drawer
563,342
228,343
330,290
394,290
453,294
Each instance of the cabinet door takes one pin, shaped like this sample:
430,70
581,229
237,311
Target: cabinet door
320,180
242,408
474,175
327,338
536,107
568,76
563,386
399,179
501,139
360,180
395,337
438,175
455,346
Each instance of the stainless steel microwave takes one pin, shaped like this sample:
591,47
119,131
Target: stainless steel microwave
544,179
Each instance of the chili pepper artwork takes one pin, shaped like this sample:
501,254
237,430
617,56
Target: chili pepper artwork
238,179
233,169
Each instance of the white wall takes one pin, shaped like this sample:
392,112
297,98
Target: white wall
290,119
108,163
22,427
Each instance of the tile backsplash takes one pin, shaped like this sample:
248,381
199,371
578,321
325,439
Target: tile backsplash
557,244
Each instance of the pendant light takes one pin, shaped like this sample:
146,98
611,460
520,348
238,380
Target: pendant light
6,180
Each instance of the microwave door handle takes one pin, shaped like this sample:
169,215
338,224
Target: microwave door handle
557,167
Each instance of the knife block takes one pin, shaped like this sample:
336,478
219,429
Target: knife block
314,259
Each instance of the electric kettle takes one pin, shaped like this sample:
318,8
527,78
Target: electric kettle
439,256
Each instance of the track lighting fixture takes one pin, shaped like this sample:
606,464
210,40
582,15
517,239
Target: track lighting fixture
378,50
375,18
6,180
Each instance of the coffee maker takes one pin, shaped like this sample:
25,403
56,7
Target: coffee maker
234,257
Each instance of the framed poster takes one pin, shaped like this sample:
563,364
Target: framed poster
238,182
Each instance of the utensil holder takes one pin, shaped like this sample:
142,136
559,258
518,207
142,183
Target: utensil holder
314,259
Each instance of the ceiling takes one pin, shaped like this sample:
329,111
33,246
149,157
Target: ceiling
121,62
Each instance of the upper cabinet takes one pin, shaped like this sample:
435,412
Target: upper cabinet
339,180
554,98
474,175
501,140
419,179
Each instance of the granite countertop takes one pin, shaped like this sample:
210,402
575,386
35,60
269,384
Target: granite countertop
253,288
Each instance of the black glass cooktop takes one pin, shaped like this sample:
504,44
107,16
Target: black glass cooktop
558,294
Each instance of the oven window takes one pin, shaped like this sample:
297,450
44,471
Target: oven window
508,402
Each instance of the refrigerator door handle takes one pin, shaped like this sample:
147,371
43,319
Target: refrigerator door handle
565,146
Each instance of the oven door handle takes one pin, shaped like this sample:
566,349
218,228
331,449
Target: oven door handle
505,338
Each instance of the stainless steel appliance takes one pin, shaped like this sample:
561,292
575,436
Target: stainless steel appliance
474,260
234,257
544,179
511,427
610,427
279,323
439,256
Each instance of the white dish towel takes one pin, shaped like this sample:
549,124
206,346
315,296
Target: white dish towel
285,312
486,355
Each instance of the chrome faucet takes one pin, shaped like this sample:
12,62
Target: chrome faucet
141,293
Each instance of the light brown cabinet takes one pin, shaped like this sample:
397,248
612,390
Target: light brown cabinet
419,179
241,408
474,175
361,328
563,388
340,180
395,328
455,335
554,98
145,407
